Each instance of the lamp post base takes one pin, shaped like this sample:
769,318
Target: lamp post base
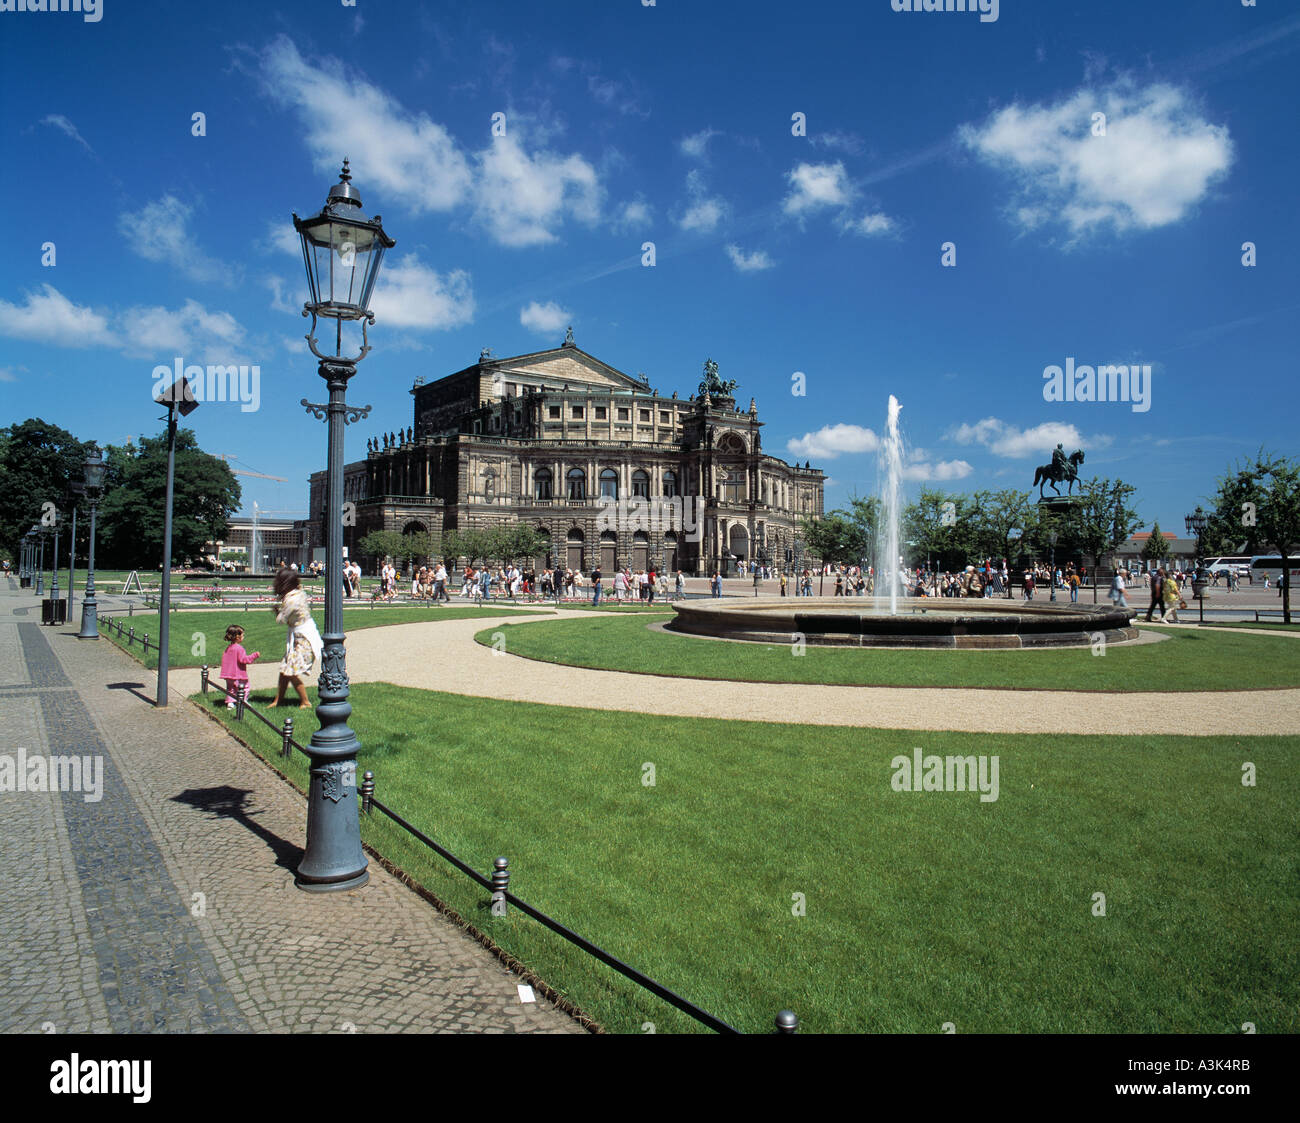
331,886
89,621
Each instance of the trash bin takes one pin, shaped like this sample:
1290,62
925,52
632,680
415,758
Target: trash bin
54,611
24,582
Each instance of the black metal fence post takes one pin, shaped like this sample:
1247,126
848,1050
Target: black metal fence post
130,636
204,677
500,884
239,704
367,792
786,1022
286,739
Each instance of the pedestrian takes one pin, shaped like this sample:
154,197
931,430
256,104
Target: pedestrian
1173,599
1157,596
302,648
1117,590
680,588
595,587
233,661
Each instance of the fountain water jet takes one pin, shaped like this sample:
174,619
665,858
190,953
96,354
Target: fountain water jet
891,464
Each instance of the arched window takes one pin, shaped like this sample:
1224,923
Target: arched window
542,481
577,483
670,484
641,484
608,483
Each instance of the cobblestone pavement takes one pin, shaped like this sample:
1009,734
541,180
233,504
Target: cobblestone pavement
168,905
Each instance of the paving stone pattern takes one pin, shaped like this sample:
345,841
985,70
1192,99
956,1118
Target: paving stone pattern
169,904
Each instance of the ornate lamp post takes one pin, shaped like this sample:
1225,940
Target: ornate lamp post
342,250
1195,523
24,552
39,531
94,486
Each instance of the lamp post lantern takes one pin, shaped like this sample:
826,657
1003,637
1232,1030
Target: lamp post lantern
94,470
1196,523
342,250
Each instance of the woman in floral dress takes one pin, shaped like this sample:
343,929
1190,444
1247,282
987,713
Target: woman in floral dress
302,647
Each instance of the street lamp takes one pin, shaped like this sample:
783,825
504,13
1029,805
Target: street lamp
1195,523
1051,538
39,531
94,483
342,251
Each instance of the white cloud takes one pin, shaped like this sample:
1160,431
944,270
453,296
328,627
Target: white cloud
705,211
160,232
280,302
50,317
411,295
697,144
846,142
60,122
190,331
748,262
830,441
282,236
545,319
871,225
814,186
520,196
1157,160
9,374
637,213
943,470
1003,439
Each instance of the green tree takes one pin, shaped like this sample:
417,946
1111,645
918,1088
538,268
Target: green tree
843,537
131,515
1101,520
937,525
1156,549
1264,498
382,544
39,463
995,514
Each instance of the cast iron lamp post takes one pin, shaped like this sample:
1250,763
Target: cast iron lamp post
94,486
342,250
39,531
1195,523
22,559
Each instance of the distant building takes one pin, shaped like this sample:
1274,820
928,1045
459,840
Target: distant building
1182,551
544,438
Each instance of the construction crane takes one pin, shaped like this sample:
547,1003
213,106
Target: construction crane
225,456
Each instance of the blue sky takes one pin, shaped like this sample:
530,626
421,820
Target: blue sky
775,253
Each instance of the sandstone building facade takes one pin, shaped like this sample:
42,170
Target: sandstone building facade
552,438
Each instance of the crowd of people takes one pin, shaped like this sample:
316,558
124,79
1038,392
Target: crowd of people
434,583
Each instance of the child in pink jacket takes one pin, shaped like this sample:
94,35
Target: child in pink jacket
233,663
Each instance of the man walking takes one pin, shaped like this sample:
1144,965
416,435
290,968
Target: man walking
595,587
1157,596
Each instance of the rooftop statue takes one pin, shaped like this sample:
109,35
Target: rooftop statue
712,384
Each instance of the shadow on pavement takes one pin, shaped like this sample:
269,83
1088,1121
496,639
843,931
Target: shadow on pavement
131,688
232,803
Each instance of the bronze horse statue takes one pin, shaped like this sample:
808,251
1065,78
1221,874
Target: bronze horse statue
1064,470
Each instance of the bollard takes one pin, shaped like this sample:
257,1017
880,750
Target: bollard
367,792
500,883
145,641
239,704
130,637
203,673
286,744
786,1022
130,609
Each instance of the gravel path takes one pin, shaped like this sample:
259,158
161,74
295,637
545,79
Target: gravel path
443,656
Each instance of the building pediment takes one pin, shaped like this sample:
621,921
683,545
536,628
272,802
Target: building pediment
563,365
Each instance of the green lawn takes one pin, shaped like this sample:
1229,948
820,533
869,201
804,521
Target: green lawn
921,907
1184,661
261,632
1275,624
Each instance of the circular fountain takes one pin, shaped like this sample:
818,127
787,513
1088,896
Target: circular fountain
918,622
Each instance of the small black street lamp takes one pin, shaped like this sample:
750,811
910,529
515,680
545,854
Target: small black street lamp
1051,538
1196,523
342,251
94,485
25,562
39,530
54,569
